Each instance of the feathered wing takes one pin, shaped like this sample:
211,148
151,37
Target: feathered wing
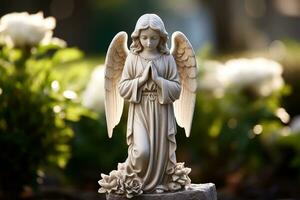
114,64
184,56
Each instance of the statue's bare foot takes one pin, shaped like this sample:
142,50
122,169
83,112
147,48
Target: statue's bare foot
160,189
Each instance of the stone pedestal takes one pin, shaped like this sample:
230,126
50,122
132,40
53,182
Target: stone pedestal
194,192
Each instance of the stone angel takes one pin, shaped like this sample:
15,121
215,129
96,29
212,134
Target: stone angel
160,86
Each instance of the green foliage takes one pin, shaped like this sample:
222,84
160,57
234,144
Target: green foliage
236,133
289,153
34,113
229,124
93,152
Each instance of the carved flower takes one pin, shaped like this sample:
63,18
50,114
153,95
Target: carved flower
121,166
121,181
133,185
179,177
173,186
112,183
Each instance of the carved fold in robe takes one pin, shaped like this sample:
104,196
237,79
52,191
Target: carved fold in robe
151,124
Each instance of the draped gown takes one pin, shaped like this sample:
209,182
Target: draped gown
151,124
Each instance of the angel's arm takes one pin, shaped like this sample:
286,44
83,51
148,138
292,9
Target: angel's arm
129,84
169,85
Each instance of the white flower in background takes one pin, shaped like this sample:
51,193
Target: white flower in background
93,96
1,38
70,94
55,41
282,115
23,29
295,124
212,79
262,75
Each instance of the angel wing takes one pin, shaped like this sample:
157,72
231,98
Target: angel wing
184,56
114,63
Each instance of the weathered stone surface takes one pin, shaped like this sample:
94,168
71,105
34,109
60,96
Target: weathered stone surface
194,192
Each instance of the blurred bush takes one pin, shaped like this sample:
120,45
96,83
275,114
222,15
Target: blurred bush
92,151
35,107
240,135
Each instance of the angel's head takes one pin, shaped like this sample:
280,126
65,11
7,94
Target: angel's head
149,25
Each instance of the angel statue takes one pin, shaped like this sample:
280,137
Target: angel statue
160,86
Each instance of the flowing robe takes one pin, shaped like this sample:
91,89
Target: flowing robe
151,124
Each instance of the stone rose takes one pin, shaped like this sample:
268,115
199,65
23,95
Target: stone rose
179,177
133,185
111,183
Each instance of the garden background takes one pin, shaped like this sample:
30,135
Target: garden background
245,136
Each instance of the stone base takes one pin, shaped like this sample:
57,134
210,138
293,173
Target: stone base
193,192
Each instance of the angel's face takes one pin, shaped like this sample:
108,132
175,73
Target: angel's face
149,39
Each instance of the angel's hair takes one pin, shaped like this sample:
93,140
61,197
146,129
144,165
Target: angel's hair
154,22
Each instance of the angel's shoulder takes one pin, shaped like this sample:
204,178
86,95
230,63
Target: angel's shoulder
130,57
169,58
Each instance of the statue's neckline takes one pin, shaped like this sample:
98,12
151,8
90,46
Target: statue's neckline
155,58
